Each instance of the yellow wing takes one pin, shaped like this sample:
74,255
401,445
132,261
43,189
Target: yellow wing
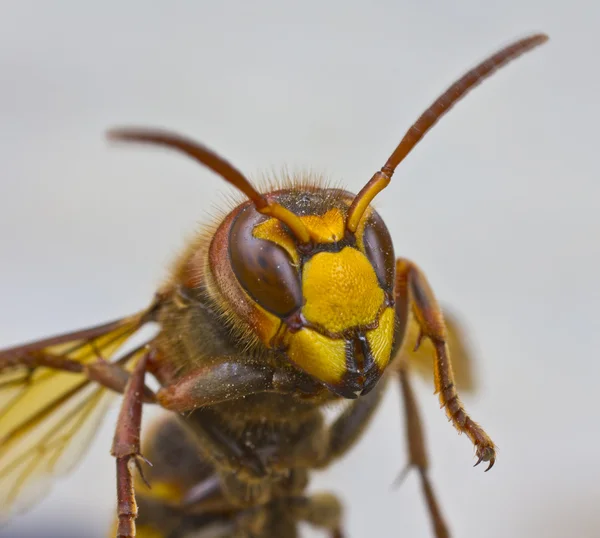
421,360
47,416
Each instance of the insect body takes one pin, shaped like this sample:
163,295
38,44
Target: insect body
293,301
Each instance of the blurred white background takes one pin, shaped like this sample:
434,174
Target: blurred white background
499,205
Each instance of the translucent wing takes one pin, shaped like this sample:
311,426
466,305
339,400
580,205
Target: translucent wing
49,416
421,360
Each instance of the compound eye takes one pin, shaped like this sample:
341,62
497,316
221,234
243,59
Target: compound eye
379,249
263,268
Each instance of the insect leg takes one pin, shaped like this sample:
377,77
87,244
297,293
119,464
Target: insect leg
417,453
111,375
220,381
241,469
413,290
126,449
350,425
227,380
225,449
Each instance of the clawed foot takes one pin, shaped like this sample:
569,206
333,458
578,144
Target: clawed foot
486,453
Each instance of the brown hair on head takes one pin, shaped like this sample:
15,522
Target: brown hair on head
219,165
429,118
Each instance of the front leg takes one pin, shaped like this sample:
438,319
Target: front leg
227,380
417,453
230,379
413,291
221,446
126,449
242,470
347,429
219,381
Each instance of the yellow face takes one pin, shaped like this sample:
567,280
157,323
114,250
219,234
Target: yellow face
334,314
350,327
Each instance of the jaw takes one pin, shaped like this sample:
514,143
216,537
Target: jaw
362,372
349,365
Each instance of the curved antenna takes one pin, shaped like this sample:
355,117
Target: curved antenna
430,117
219,165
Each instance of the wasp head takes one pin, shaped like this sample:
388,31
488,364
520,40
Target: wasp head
306,271
326,304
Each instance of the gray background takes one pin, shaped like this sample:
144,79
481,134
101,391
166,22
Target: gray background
499,205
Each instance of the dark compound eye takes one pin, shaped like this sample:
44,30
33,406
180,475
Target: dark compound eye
379,249
263,268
